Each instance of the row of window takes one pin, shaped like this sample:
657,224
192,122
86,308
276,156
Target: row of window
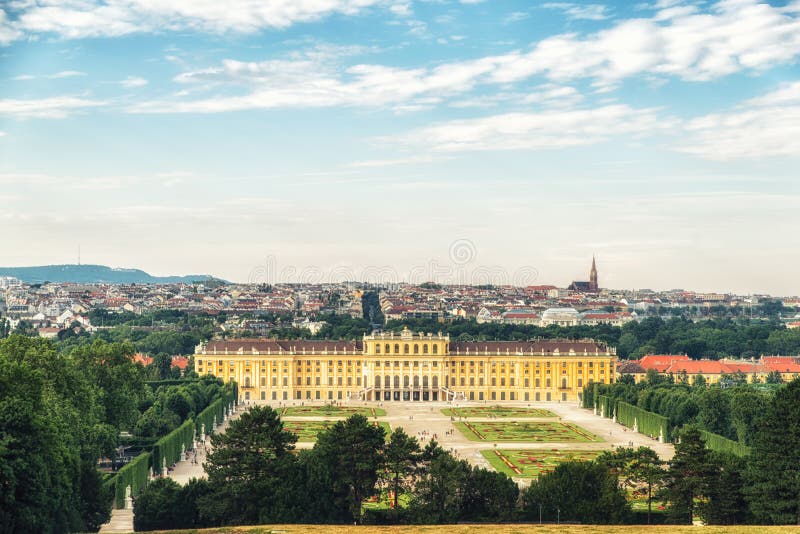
407,348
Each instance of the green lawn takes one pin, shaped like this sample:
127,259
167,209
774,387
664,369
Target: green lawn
532,463
330,411
526,431
307,431
497,411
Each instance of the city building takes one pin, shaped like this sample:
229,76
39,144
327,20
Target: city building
408,367
589,287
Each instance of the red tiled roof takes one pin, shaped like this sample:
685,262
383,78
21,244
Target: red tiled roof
181,362
660,362
782,367
691,367
142,358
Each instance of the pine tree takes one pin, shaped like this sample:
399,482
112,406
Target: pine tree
690,475
774,471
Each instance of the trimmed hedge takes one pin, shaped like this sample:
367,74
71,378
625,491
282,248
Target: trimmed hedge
215,411
605,405
718,443
647,423
169,447
133,474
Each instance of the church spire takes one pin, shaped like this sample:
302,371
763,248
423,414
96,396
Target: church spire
593,276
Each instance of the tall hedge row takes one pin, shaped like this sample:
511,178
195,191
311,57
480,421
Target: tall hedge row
718,443
169,447
216,410
648,423
134,474
605,405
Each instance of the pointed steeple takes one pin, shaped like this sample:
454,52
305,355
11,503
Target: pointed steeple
593,276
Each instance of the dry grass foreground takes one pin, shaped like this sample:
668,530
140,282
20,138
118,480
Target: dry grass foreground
477,528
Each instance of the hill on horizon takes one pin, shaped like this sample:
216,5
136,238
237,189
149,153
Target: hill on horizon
94,274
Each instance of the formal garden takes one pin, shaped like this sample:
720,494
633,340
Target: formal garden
307,431
330,410
531,463
489,412
526,431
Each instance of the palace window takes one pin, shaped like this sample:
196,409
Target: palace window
387,348
416,348
377,349
425,348
436,350
397,348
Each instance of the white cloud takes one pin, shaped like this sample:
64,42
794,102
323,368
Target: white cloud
133,81
735,36
544,130
55,76
47,108
66,74
401,9
8,32
111,18
579,11
761,127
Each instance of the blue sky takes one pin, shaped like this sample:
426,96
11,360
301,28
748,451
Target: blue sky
344,138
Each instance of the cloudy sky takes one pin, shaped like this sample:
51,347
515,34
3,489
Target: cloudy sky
336,138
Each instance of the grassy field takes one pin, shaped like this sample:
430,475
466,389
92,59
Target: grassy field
494,529
330,411
307,431
497,411
531,463
526,431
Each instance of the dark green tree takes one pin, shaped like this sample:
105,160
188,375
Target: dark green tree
401,456
158,506
636,468
726,498
249,469
440,491
347,458
774,472
690,475
577,491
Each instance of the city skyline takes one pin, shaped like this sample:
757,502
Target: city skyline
178,138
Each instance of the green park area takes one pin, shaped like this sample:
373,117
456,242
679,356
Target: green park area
330,411
532,463
497,411
526,431
307,431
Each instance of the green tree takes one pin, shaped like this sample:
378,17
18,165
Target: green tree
402,456
636,468
489,496
158,506
439,493
774,472
726,499
577,491
689,478
348,457
249,467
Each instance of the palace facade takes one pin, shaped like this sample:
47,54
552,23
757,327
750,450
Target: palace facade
407,367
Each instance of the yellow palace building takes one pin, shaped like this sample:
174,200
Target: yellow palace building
408,367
